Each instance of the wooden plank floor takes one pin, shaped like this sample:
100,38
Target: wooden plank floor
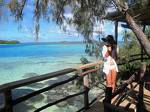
98,105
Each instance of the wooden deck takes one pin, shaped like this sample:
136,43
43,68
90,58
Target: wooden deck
98,105
132,94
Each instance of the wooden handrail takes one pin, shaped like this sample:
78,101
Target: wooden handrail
89,65
133,60
135,55
30,95
31,80
89,71
7,88
60,100
8,101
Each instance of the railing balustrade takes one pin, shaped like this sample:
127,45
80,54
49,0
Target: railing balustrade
82,72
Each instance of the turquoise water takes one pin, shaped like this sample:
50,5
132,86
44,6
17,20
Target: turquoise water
20,61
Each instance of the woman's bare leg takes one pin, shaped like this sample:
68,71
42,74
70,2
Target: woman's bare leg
113,75
109,79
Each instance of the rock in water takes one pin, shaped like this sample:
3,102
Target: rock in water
27,75
62,104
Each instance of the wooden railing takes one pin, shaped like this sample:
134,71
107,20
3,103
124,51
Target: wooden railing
81,72
123,91
135,57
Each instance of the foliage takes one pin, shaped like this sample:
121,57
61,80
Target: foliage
9,42
130,47
148,32
127,50
85,14
94,49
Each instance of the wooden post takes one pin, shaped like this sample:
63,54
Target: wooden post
140,104
116,31
8,101
86,88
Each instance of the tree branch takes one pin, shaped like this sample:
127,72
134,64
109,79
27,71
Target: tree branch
20,11
142,38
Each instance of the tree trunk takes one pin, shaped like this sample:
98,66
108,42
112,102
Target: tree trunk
142,38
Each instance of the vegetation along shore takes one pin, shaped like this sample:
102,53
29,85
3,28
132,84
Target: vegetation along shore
9,42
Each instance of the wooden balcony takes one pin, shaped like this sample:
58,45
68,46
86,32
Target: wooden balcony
127,96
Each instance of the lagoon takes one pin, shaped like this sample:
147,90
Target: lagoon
18,61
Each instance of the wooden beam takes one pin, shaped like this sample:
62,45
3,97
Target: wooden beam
86,85
8,101
53,103
132,60
125,26
116,31
30,95
89,71
140,105
31,80
89,65
136,55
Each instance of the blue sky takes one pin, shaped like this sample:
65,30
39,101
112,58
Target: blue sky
49,31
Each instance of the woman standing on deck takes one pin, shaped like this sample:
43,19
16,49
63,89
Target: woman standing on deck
110,68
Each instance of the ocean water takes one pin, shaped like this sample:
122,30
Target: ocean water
20,61
26,60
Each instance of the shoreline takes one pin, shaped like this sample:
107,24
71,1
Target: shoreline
62,42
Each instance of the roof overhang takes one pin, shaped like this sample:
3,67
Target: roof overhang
142,16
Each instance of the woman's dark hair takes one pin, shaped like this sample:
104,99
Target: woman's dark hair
114,52
109,41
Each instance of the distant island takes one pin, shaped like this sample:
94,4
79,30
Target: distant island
9,42
67,42
60,42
